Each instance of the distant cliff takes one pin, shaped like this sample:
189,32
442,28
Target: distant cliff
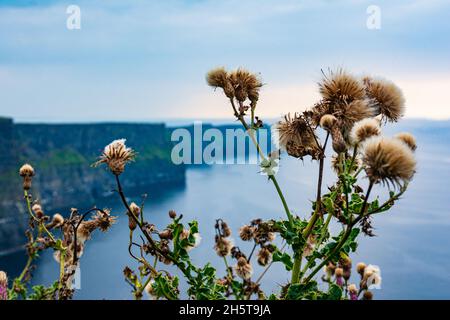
61,155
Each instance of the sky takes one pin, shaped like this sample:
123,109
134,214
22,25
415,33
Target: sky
146,60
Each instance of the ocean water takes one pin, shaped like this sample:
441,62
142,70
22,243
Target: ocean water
411,245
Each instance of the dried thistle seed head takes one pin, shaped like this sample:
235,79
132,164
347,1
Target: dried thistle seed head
84,231
386,98
328,121
409,139
245,82
116,155
26,170
246,232
103,220
135,209
223,246
340,86
330,268
360,267
338,143
3,279
352,288
226,231
388,160
219,78
264,256
57,220
172,214
297,137
367,295
37,209
243,268
364,129
339,272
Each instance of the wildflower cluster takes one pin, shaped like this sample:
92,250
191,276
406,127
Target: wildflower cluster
351,113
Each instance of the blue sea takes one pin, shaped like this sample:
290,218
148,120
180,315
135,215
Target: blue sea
411,246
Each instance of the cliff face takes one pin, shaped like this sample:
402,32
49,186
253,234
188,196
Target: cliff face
62,154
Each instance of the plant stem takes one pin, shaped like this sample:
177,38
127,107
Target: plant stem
296,268
344,237
324,231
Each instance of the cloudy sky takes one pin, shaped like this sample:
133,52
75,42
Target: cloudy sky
146,60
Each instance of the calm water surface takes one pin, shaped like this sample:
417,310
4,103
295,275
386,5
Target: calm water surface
411,246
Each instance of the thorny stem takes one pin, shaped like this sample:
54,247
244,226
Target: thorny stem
145,233
41,224
267,268
344,237
317,212
263,157
319,242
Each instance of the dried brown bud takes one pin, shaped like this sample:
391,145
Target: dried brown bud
172,214
246,233
166,234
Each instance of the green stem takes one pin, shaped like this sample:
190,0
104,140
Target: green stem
296,269
319,242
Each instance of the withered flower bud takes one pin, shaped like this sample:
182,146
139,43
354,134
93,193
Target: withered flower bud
360,267
223,246
37,209
243,268
246,232
166,234
225,229
264,257
409,139
367,295
116,155
26,172
172,214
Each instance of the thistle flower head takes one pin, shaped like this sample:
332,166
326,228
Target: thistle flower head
116,155
388,160
223,246
409,139
38,211
57,220
246,85
360,267
3,278
219,78
246,232
264,256
386,97
364,129
26,170
296,137
104,220
352,288
243,268
367,295
340,86
339,272
328,121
